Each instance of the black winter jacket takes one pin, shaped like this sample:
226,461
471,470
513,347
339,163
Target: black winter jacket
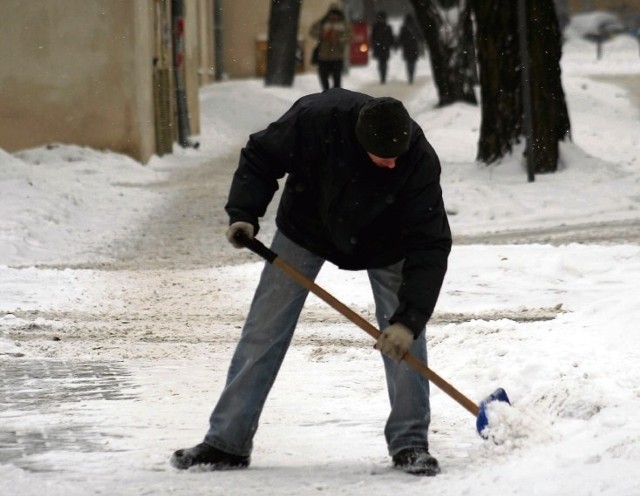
382,40
339,205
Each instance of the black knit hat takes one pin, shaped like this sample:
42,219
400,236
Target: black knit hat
384,127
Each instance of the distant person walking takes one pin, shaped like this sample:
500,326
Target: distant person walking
382,40
333,34
411,43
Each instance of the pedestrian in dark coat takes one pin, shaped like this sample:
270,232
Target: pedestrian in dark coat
411,42
382,40
363,192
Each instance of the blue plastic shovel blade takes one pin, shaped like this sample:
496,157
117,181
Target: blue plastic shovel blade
482,420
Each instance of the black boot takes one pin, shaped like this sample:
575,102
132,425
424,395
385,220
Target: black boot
416,461
205,454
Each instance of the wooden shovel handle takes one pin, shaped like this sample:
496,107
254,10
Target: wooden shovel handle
260,249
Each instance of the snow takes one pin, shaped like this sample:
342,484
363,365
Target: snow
594,23
106,372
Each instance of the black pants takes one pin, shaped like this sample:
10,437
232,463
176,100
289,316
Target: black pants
330,69
411,69
382,69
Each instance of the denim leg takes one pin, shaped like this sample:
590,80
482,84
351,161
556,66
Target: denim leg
264,341
408,423
411,69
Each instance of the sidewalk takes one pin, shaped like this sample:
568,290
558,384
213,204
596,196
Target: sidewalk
630,83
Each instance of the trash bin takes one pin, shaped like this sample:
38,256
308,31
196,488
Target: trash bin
261,57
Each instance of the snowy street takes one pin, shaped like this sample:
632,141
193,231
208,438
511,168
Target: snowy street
121,302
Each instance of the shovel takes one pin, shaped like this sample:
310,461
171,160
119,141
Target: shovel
478,411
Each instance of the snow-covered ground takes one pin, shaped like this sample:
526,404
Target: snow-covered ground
106,368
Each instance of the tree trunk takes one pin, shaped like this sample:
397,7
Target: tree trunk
550,115
501,85
451,50
496,38
283,42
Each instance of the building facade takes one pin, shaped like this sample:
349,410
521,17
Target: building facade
123,75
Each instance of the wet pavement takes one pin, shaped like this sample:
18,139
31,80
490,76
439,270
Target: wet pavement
36,388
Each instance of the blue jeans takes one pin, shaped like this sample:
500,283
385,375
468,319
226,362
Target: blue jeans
266,336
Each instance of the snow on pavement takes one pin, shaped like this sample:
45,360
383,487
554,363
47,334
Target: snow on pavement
108,368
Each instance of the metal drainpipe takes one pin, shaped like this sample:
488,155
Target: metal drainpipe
217,35
177,18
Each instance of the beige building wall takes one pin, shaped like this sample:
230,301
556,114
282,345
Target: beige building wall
619,6
193,21
205,44
247,21
82,71
77,71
